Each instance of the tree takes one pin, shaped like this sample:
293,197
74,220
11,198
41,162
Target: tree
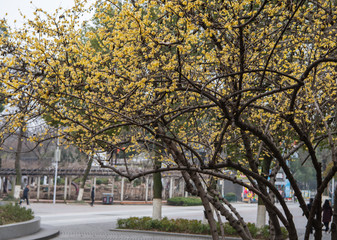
303,173
21,106
214,84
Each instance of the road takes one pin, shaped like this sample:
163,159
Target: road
81,221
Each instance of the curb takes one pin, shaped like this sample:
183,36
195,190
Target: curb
28,230
196,236
16,230
46,232
97,202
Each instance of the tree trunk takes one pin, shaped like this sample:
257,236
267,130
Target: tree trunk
334,219
222,231
318,222
201,192
17,186
84,179
261,208
156,208
240,220
206,203
80,194
261,214
157,192
271,225
276,226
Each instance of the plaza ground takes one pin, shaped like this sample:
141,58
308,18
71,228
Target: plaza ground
81,221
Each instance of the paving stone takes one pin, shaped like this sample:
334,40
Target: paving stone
102,231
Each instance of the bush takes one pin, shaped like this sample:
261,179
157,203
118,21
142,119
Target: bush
136,182
184,201
228,229
60,181
165,225
100,181
231,197
264,232
14,213
284,232
9,198
189,226
253,229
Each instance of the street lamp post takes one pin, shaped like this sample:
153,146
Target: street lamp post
57,159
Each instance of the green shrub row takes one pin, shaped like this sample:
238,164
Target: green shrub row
188,226
184,201
9,197
165,225
194,201
231,197
14,213
100,181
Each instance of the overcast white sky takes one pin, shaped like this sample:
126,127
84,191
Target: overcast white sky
11,7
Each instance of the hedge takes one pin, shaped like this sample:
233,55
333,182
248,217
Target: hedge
188,226
184,201
14,213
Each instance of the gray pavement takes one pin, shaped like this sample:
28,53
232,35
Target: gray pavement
81,221
103,231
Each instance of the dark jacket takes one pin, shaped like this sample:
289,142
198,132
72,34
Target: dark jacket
327,214
309,206
93,193
25,192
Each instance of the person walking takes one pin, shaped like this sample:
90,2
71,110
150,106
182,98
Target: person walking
327,214
92,196
311,200
25,195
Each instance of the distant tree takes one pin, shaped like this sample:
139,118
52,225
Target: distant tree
303,171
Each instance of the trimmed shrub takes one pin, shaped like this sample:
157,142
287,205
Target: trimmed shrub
284,232
265,232
253,229
9,197
14,213
136,182
228,229
231,197
181,225
100,181
184,201
165,225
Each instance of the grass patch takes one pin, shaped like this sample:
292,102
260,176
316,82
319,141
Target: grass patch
188,226
184,201
14,213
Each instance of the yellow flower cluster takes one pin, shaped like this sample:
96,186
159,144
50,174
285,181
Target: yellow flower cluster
183,67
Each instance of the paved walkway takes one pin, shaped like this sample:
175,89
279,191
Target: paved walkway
99,231
103,231
80,221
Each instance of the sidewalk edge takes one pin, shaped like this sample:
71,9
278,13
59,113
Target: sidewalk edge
171,233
